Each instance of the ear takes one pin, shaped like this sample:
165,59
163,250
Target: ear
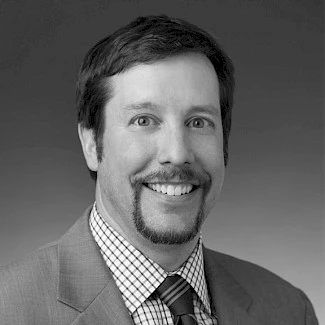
88,144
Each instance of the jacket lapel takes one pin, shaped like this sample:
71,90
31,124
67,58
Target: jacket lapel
231,301
107,309
85,282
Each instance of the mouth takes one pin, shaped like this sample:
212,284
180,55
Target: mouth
172,189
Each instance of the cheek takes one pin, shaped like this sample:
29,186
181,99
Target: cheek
209,152
128,152
210,156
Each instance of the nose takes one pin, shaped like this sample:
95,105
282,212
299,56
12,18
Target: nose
175,147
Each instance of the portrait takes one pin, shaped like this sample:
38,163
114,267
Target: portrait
155,150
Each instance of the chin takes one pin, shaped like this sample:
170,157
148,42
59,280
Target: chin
173,234
168,237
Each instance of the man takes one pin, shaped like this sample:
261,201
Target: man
154,110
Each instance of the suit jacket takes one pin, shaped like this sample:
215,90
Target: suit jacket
68,282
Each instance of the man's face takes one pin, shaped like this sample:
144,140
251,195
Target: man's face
163,166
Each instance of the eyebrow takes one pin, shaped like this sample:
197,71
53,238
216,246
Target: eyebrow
141,105
210,109
213,110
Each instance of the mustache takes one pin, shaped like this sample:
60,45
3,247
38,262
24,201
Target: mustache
179,174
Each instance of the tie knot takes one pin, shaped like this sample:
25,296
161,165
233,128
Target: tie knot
176,294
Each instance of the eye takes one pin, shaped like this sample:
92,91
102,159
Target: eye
199,122
143,120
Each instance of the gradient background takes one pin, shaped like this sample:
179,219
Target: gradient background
271,211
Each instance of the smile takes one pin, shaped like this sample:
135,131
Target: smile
172,189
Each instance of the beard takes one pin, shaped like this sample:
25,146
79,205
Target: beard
171,236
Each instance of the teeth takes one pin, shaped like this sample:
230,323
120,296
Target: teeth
178,190
171,189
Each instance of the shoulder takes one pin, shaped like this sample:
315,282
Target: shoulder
43,257
243,271
29,290
35,273
265,287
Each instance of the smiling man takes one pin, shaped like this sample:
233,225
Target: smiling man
154,110
162,163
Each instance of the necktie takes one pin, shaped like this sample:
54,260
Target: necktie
176,294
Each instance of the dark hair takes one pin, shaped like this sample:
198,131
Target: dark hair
146,40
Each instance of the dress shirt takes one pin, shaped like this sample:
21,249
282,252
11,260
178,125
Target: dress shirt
137,277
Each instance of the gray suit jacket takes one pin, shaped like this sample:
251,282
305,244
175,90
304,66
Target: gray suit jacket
68,282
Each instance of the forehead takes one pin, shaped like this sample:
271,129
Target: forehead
182,80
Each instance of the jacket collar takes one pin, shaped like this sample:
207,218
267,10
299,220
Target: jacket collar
86,284
230,300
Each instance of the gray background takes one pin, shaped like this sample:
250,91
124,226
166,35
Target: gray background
271,211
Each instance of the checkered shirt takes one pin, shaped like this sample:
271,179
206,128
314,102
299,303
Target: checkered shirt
137,277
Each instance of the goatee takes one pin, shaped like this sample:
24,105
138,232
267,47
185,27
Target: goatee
171,236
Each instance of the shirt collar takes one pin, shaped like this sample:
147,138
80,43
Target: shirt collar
136,275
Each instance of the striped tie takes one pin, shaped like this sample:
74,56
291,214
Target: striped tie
176,294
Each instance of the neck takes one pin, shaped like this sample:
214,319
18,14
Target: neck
169,257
